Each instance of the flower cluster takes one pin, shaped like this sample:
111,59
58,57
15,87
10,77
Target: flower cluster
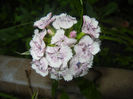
56,49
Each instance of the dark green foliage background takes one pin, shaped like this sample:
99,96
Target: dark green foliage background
114,16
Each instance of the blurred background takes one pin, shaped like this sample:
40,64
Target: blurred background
114,16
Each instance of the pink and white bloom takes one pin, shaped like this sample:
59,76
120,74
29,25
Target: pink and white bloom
37,45
90,26
87,47
64,21
73,34
83,58
60,39
62,56
58,57
41,66
60,74
67,74
44,21
79,68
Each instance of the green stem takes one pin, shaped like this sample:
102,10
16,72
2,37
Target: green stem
81,2
54,88
81,16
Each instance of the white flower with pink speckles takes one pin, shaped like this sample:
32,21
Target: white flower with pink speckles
44,21
90,26
61,51
64,21
87,46
78,67
37,45
41,66
60,39
65,74
58,57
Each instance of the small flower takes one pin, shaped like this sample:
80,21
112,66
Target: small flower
67,75
60,74
37,45
79,68
87,47
60,39
64,21
73,34
40,66
58,57
82,51
90,26
44,21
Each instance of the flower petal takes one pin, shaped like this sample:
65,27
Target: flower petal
95,48
64,21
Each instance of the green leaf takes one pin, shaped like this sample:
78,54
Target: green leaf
81,2
109,9
120,35
88,9
24,53
112,39
35,95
